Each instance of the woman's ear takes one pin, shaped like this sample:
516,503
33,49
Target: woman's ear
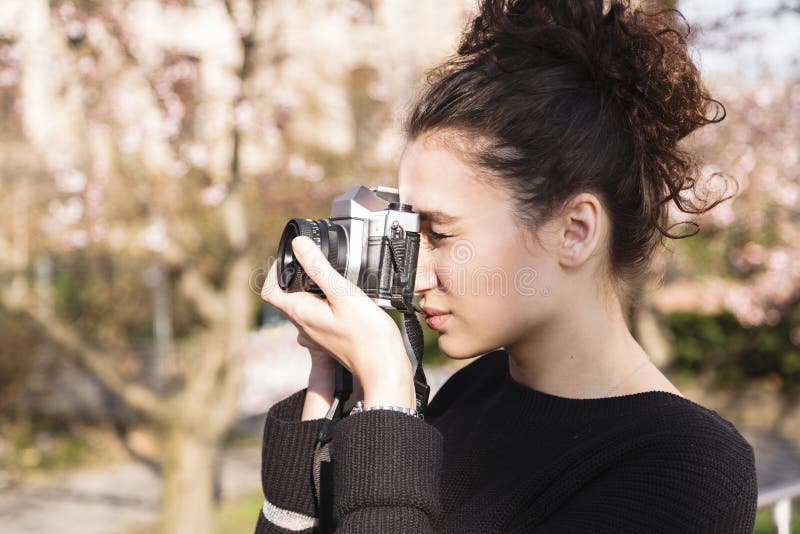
582,227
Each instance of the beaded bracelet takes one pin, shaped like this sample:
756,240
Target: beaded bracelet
359,407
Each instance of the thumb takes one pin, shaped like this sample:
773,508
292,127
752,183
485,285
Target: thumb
320,270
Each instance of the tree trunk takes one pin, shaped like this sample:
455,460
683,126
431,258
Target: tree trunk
187,502
654,336
648,326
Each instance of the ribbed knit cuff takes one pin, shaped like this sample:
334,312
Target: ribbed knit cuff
287,456
386,458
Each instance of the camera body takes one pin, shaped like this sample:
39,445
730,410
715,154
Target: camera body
371,239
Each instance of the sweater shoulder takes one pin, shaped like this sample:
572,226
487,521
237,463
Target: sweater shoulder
483,374
676,466
707,451
692,434
682,417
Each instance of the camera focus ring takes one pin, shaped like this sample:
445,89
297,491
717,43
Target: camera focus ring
309,229
329,237
291,276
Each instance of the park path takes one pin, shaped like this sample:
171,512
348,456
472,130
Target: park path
116,498
109,499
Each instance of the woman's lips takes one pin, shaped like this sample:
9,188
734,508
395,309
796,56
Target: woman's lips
433,311
436,321
435,317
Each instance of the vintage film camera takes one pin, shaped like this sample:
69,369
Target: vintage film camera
370,238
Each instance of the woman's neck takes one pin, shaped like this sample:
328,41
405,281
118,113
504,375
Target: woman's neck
584,350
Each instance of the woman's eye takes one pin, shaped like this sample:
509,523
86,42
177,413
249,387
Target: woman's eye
437,236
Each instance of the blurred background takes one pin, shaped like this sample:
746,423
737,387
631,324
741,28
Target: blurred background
151,153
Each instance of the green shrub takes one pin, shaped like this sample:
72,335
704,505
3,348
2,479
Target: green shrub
721,345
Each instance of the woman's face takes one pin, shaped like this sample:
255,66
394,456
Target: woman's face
496,282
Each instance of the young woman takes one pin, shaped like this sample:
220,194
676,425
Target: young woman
543,158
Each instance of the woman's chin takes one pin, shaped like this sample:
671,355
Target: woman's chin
451,350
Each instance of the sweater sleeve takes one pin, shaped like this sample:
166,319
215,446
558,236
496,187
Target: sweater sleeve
693,486
286,462
387,468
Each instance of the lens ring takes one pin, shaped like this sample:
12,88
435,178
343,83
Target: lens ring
335,246
291,276
340,235
330,237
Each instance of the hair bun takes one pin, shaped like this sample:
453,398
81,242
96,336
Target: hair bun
637,59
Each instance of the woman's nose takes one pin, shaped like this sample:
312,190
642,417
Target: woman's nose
426,273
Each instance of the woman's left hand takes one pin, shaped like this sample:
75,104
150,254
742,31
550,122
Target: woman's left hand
349,325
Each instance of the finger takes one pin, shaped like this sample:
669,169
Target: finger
271,292
303,341
301,307
319,352
308,343
320,270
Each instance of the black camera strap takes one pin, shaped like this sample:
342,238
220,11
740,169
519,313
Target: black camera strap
406,267
322,472
322,466
412,336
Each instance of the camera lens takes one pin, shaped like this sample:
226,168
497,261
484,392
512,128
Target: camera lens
330,237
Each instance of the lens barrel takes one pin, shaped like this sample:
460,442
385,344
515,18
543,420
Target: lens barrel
330,237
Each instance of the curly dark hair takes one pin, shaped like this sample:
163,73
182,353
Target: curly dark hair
556,97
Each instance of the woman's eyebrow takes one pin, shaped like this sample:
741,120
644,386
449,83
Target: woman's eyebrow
437,216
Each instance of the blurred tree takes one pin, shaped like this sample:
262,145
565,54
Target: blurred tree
745,262
126,116
162,131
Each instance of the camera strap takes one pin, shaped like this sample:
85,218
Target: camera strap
413,339
415,344
322,467
405,266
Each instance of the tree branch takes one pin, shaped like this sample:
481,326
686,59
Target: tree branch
121,431
736,16
137,396
208,301
232,209
703,296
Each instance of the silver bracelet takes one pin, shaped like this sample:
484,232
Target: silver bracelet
359,407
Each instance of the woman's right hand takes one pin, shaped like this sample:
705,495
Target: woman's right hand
319,395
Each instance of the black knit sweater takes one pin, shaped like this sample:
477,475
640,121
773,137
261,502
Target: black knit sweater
493,455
